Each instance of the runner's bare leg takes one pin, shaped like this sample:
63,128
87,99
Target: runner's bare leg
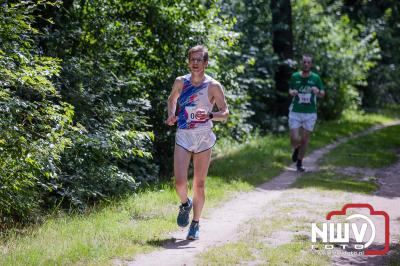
181,166
201,162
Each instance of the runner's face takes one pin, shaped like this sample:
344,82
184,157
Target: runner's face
197,64
307,63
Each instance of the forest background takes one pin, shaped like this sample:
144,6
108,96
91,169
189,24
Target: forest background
84,84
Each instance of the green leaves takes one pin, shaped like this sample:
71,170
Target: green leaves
83,88
33,119
343,53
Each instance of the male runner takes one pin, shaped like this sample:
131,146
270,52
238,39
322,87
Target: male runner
196,94
305,86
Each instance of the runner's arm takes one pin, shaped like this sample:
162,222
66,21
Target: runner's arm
172,100
321,93
220,101
319,89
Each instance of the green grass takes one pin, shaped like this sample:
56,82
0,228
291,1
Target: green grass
294,253
330,180
389,111
350,123
229,254
256,162
136,225
377,150
255,247
374,150
133,226
140,223
394,255
264,157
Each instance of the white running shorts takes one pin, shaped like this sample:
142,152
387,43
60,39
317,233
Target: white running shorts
195,140
304,120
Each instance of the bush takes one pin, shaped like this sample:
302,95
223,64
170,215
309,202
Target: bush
33,118
343,54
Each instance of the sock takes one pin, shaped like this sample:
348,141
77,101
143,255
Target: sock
196,222
299,162
186,203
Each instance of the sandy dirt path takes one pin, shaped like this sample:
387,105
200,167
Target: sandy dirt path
221,226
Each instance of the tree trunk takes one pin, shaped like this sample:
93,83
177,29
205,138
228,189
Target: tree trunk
282,43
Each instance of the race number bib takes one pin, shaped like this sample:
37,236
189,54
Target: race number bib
191,111
305,98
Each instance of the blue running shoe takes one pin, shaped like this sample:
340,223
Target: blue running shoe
183,216
194,231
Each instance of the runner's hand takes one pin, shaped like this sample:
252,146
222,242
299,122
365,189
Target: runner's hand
315,90
171,120
201,114
293,92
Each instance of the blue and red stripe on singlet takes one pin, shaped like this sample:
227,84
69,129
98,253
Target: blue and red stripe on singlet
196,97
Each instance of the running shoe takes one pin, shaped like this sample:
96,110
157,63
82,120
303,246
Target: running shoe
184,211
300,168
194,231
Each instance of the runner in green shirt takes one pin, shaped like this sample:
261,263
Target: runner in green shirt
305,86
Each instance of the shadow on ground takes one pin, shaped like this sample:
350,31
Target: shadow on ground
170,243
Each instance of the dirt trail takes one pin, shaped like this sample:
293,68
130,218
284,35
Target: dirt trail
387,198
221,226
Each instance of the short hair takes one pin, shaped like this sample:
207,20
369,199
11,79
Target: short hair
308,55
199,48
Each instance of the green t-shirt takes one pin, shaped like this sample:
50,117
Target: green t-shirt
306,100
